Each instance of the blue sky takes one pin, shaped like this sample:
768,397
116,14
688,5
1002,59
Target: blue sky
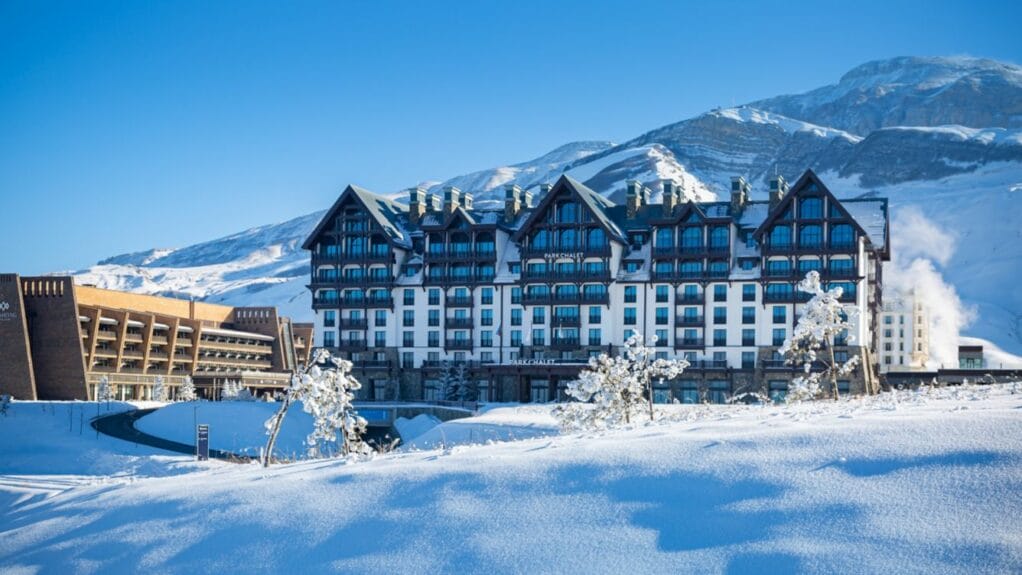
130,125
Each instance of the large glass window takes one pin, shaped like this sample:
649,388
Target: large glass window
597,238
567,212
719,237
841,236
810,208
692,237
567,240
810,236
664,238
780,237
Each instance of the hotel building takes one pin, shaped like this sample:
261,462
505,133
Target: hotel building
523,295
904,334
58,339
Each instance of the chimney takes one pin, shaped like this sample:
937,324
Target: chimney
633,197
739,193
466,201
451,197
432,203
526,199
669,199
778,187
416,204
512,202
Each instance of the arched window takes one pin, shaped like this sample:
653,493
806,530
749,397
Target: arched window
692,238
810,236
597,238
664,238
719,237
567,240
567,212
810,208
841,236
780,237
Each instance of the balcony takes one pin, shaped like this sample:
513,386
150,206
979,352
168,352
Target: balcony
458,301
552,252
688,343
351,345
690,320
565,276
353,323
564,342
707,364
566,321
689,298
458,344
567,299
372,364
458,322
371,256
439,363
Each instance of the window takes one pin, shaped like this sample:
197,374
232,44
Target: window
748,360
538,315
381,318
408,318
632,266
662,294
567,212
629,316
538,337
664,238
748,337
810,236
749,292
841,236
692,237
780,237
408,339
433,318
630,294
780,314
779,336
720,337
516,337
596,239
749,315
329,318
434,297
486,317
407,359
516,316
806,265
719,237
661,316
380,339
516,295
661,338
719,315
409,297
486,338
719,293
487,298
330,338
810,208
594,337
594,314
434,339
778,391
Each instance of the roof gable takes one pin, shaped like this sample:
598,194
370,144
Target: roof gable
804,184
596,204
385,212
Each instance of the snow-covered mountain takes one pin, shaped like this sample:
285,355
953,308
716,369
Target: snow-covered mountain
855,132
908,91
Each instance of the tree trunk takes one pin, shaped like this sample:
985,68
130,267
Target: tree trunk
649,383
833,371
275,430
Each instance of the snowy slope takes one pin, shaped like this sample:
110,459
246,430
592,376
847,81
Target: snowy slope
909,483
909,91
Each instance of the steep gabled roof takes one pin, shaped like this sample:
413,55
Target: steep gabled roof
808,178
594,202
388,214
445,221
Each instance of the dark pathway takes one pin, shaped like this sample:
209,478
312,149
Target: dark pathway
122,426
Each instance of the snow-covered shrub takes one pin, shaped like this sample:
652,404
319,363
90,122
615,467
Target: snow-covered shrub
235,391
104,391
159,389
823,319
186,392
618,388
455,384
327,395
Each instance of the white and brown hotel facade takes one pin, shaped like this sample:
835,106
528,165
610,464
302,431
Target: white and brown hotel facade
524,294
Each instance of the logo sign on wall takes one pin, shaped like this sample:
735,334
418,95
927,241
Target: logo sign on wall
5,311
202,442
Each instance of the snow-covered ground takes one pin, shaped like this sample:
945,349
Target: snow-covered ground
918,482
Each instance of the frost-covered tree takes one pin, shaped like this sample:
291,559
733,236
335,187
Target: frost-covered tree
104,391
457,383
233,390
823,319
186,392
618,387
326,394
159,389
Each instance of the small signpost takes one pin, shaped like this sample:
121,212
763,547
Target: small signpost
202,442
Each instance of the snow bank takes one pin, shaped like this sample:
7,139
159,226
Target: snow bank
911,482
409,429
496,423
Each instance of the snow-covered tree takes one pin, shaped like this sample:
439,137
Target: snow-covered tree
618,387
823,319
104,391
327,395
159,389
233,390
186,392
456,382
